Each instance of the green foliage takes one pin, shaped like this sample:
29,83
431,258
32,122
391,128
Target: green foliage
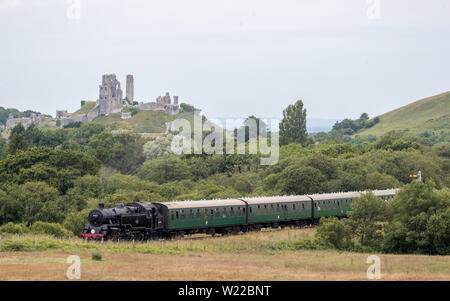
96,255
17,143
11,228
32,201
75,221
333,233
293,125
164,170
121,150
300,179
158,147
368,212
350,127
53,229
187,107
418,210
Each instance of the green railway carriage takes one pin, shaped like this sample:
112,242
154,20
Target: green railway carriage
195,216
171,219
275,210
339,204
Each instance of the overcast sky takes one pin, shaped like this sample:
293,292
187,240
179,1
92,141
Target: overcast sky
229,58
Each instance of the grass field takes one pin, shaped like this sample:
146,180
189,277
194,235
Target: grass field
266,255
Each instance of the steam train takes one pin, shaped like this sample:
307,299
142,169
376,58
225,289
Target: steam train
174,219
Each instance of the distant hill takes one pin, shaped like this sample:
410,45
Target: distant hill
429,116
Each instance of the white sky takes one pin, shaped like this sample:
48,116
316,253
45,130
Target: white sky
230,57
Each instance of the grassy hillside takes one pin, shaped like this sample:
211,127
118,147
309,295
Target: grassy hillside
427,116
147,121
88,105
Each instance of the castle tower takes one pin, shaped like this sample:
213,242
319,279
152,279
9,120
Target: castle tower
130,88
110,95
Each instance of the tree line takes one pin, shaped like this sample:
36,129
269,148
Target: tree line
56,176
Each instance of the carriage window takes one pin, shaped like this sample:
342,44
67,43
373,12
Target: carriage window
293,206
176,214
303,206
173,216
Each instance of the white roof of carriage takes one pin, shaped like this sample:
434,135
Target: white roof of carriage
203,203
271,199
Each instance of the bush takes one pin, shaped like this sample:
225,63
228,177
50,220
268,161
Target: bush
334,233
75,221
11,228
96,255
50,229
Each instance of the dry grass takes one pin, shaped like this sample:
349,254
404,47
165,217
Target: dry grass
242,257
238,265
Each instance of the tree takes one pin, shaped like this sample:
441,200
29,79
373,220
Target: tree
187,107
158,147
17,143
121,150
300,179
165,169
364,116
17,129
75,221
334,233
368,211
293,125
37,200
419,212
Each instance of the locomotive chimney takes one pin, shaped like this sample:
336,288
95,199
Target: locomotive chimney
101,206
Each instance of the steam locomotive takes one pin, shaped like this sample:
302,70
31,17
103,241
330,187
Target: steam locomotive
174,219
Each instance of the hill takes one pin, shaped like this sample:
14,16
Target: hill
145,121
425,117
85,108
148,121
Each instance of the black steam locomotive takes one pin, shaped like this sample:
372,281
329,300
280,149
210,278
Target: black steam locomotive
131,221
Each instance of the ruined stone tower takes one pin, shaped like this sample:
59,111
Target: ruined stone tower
130,88
110,98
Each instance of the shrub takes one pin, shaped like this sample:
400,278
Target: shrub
96,255
75,221
50,229
334,233
11,228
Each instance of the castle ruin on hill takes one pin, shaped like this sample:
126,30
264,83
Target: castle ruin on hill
111,101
